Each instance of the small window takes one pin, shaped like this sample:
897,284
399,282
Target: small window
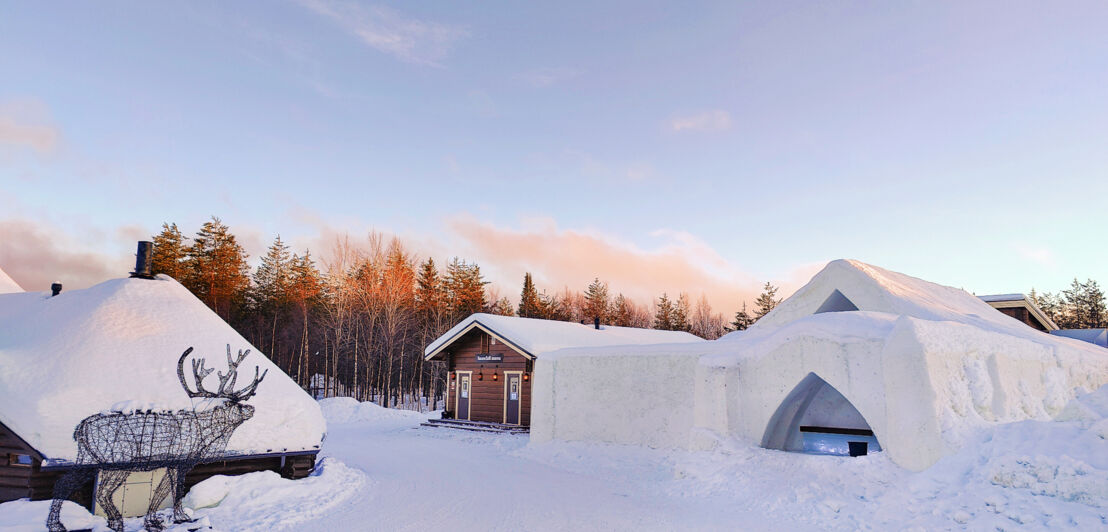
23,460
485,343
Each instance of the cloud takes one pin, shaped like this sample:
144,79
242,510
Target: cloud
545,77
1037,254
680,262
36,254
26,124
391,32
713,120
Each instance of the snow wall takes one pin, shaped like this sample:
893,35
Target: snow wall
924,387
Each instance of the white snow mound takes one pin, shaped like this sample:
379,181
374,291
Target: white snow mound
114,347
8,285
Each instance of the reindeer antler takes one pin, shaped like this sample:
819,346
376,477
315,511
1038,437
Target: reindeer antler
226,381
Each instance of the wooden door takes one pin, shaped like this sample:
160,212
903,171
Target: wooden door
465,391
513,395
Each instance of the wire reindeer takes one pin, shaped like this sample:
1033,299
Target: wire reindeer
116,444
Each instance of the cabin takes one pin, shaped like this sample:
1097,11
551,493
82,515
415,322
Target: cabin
1021,308
859,360
490,361
114,347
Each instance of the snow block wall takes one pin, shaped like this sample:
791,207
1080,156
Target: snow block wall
624,396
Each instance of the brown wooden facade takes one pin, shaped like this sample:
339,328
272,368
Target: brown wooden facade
1024,315
22,474
490,381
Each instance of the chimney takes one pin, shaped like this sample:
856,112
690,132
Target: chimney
142,260
596,322
55,289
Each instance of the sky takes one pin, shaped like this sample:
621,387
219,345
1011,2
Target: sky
705,147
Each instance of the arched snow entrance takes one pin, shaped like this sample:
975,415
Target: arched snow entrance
816,418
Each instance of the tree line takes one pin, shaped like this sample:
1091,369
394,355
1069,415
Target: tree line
357,322
1082,306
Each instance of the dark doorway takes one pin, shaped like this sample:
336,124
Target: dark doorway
815,418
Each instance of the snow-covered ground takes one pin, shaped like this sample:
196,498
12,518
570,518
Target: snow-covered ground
381,471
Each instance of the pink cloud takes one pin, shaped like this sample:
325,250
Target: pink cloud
27,124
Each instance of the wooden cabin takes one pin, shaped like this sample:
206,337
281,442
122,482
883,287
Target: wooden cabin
65,355
490,360
1021,308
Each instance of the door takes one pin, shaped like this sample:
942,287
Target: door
513,394
465,390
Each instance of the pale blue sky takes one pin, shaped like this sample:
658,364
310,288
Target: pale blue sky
961,142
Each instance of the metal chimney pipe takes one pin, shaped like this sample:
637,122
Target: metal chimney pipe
143,262
596,322
55,289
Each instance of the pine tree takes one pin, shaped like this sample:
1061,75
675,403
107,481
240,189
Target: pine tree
273,276
766,301
502,307
465,288
742,320
681,314
623,312
596,301
168,256
216,268
530,306
430,294
663,314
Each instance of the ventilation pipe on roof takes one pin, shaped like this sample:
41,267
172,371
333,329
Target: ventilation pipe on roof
143,262
596,322
55,289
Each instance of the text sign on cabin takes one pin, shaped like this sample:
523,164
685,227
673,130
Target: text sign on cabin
490,357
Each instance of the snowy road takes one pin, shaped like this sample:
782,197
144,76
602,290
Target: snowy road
445,479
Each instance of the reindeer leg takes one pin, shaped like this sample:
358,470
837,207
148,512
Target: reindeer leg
152,521
110,481
179,515
63,488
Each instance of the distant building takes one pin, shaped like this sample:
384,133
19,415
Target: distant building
490,360
1021,308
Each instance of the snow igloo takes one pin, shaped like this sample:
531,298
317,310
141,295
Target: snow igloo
859,360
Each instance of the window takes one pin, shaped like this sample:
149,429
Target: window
485,343
23,460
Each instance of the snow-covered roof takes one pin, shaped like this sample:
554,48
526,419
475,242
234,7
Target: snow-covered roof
66,357
8,285
993,298
533,337
1093,336
1000,301
870,288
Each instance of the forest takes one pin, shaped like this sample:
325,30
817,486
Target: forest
355,323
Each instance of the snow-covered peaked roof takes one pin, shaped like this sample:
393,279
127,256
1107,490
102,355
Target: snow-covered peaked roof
999,301
870,288
534,336
67,357
8,285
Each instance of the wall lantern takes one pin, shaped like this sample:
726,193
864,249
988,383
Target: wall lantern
453,375
495,375
480,375
526,377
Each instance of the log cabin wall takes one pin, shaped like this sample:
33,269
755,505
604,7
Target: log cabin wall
1022,314
15,471
487,396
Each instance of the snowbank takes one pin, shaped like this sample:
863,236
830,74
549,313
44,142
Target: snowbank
254,501
348,410
115,346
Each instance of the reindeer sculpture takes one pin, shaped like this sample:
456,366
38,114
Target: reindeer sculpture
116,444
